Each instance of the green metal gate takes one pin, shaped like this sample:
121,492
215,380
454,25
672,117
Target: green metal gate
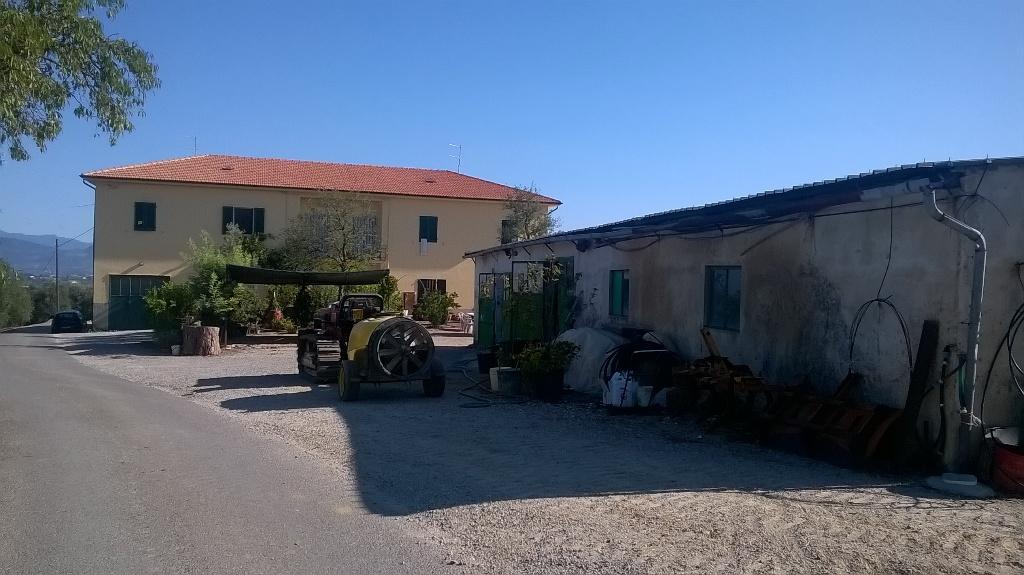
126,308
533,303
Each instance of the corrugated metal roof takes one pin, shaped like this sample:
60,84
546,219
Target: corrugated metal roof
807,197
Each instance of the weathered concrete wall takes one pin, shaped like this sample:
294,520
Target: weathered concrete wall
802,283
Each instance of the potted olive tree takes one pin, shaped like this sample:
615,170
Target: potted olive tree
543,368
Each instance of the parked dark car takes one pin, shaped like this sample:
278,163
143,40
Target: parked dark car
68,322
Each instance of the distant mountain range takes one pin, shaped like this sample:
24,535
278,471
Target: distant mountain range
33,254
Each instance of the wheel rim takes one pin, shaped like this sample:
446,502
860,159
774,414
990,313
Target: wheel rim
403,349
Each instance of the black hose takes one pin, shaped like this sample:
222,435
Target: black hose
621,357
1007,342
859,317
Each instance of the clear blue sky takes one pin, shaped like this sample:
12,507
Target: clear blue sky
616,108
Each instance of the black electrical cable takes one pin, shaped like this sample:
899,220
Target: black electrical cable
1016,320
863,309
620,358
635,249
859,317
888,260
478,401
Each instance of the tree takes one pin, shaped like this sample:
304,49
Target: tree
389,292
335,234
72,296
526,217
170,306
15,303
436,305
54,53
215,295
209,296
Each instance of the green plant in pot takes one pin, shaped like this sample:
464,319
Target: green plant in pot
543,368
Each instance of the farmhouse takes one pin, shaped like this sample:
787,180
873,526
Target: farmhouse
421,221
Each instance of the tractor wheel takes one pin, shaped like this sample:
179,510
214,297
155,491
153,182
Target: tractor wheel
434,385
348,381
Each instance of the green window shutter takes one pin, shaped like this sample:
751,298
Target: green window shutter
624,306
243,219
227,217
428,228
145,216
722,286
618,293
257,220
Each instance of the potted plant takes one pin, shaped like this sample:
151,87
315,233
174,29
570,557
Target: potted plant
543,368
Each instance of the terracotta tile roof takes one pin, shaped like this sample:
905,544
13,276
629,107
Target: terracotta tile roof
302,175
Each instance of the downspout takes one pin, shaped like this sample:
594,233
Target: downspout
967,419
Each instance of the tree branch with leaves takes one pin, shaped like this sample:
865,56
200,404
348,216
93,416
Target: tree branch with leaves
526,217
334,234
55,53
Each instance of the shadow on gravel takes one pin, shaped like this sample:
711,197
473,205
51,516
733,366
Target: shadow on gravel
110,344
413,454
253,382
35,328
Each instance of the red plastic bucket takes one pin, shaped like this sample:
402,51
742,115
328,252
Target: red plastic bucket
1008,462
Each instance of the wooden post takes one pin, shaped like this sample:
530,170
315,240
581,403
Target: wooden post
200,340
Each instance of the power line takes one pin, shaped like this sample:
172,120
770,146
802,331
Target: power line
69,240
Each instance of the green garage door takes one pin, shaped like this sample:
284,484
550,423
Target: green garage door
127,310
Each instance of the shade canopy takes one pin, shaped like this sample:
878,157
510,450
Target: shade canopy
248,275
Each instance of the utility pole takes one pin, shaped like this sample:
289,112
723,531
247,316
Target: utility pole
56,275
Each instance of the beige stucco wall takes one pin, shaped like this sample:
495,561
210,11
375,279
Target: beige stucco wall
803,282
185,211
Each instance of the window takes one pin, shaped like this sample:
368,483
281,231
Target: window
722,297
426,285
249,220
368,237
506,231
618,293
428,228
145,216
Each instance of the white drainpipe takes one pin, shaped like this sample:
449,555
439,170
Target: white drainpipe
967,419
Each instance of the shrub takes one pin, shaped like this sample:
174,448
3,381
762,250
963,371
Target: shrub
285,325
248,308
435,306
388,290
170,306
547,358
543,367
304,307
212,299
15,302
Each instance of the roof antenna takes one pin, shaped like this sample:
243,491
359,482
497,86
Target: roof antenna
458,169
195,146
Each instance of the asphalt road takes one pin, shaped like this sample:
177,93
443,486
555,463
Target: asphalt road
98,475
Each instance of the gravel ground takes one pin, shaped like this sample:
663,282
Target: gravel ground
509,487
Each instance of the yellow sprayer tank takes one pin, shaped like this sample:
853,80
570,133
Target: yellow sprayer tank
361,332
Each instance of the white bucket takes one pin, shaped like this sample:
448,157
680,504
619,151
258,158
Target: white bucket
493,372
505,380
643,395
621,391
175,350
